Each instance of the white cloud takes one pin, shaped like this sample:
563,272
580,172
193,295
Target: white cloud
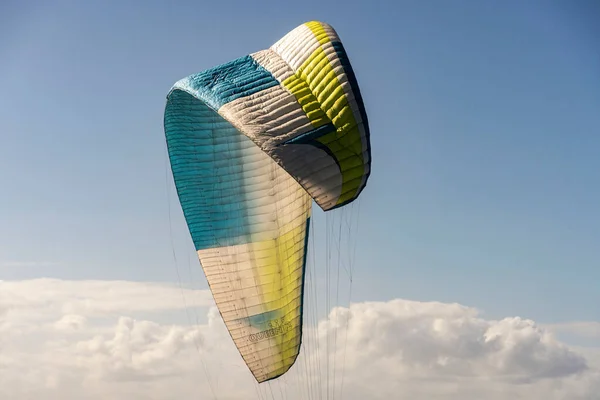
449,339
436,350
99,340
136,350
98,297
42,301
70,323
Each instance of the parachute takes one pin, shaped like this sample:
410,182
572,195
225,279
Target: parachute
251,143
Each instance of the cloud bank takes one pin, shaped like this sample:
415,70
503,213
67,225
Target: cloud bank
101,339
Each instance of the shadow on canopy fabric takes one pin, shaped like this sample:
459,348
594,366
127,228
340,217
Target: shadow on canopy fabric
251,143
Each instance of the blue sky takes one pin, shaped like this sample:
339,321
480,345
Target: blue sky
485,138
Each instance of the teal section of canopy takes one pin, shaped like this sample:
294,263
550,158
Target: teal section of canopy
207,161
224,83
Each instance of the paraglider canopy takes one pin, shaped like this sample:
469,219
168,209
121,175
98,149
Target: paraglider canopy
251,143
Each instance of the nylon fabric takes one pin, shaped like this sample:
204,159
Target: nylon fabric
251,143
